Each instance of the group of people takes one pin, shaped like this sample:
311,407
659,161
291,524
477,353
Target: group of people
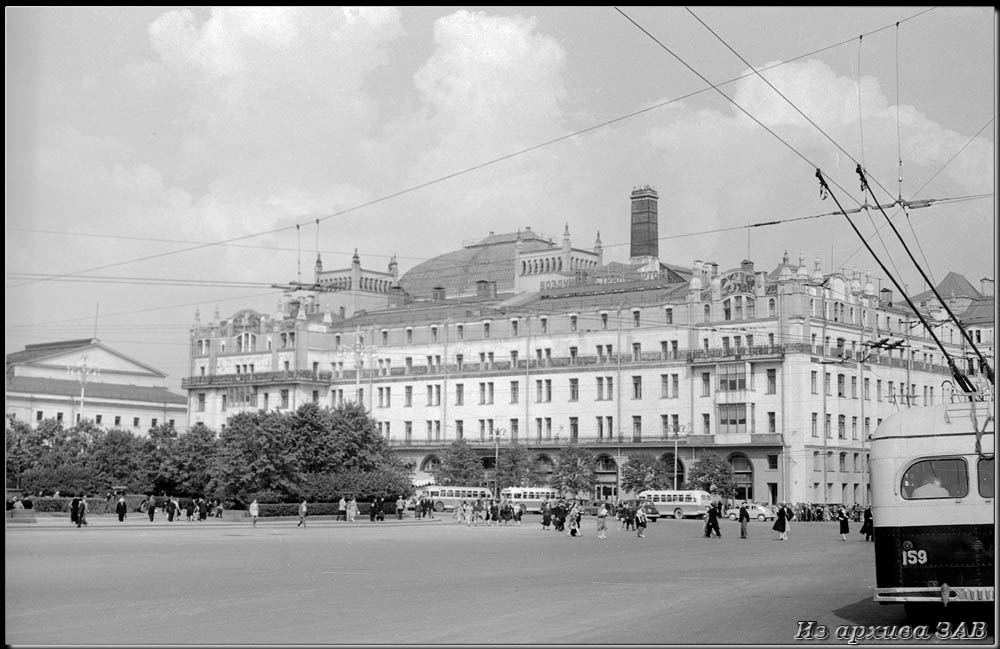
489,512
195,509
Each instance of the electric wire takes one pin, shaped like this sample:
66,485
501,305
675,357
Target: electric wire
455,174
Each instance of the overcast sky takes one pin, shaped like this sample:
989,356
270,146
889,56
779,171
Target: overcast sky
134,135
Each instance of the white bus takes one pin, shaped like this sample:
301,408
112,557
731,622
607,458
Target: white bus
530,498
447,497
679,504
934,508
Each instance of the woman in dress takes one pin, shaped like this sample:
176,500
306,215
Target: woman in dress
546,515
781,523
843,520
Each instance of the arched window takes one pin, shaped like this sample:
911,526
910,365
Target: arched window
742,477
708,313
430,464
607,464
771,310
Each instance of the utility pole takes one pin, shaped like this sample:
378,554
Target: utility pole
358,349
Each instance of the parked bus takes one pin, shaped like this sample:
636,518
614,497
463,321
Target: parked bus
679,504
530,498
933,508
447,497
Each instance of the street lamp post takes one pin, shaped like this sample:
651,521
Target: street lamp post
83,373
497,433
677,433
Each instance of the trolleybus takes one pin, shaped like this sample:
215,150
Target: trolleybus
447,497
530,498
933,505
679,504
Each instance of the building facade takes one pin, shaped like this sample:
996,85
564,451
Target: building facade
76,380
782,372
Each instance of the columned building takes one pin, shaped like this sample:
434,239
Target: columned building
74,380
783,372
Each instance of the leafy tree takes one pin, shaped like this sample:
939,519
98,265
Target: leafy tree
460,465
189,467
574,471
644,471
253,456
115,457
21,453
516,469
713,474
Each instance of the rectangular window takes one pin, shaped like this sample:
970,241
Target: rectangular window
408,431
812,382
636,428
513,327
460,331
459,429
826,426
841,386
706,384
600,388
867,394
636,351
430,395
513,429
408,396
772,381
514,391
610,382
815,425
706,424
201,403
118,420
544,322
636,387
854,387
482,393
841,427
675,383
153,423
732,377
664,386
574,389
538,391
489,392
600,428
854,427
572,323
97,419
732,418
826,384
135,422
772,461
574,429
225,402
772,426
548,428
669,315
486,330
459,394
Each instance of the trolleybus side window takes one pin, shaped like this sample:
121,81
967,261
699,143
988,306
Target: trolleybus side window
986,476
938,478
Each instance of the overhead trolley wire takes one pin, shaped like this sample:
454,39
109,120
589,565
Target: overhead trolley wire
462,172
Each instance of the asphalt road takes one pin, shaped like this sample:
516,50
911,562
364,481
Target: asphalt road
441,583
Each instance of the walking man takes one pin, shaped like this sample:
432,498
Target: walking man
303,510
640,522
121,509
744,520
151,507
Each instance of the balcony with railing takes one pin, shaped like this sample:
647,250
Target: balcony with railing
256,378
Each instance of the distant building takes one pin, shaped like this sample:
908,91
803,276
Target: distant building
72,380
515,339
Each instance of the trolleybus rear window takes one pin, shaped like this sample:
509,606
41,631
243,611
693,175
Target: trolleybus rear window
938,478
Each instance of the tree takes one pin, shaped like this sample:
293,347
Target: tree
515,468
574,472
253,455
644,471
713,474
190,465
115,458
460,465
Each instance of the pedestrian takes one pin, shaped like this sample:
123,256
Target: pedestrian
352,509
170,510
121,508
546,515
572,520
371,510
744,519
518,512
342,509
781,523
202,509
712,521
602,521
189,510
74,510
151,507
254,512
844,524
867,528
400,507
303,510
640,522
81,518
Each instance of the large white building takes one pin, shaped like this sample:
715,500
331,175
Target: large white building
515,338
72,380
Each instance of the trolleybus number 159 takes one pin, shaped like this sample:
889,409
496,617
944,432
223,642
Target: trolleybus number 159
914,557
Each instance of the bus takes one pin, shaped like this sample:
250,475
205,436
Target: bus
933,508
530,498
447,497
679,504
